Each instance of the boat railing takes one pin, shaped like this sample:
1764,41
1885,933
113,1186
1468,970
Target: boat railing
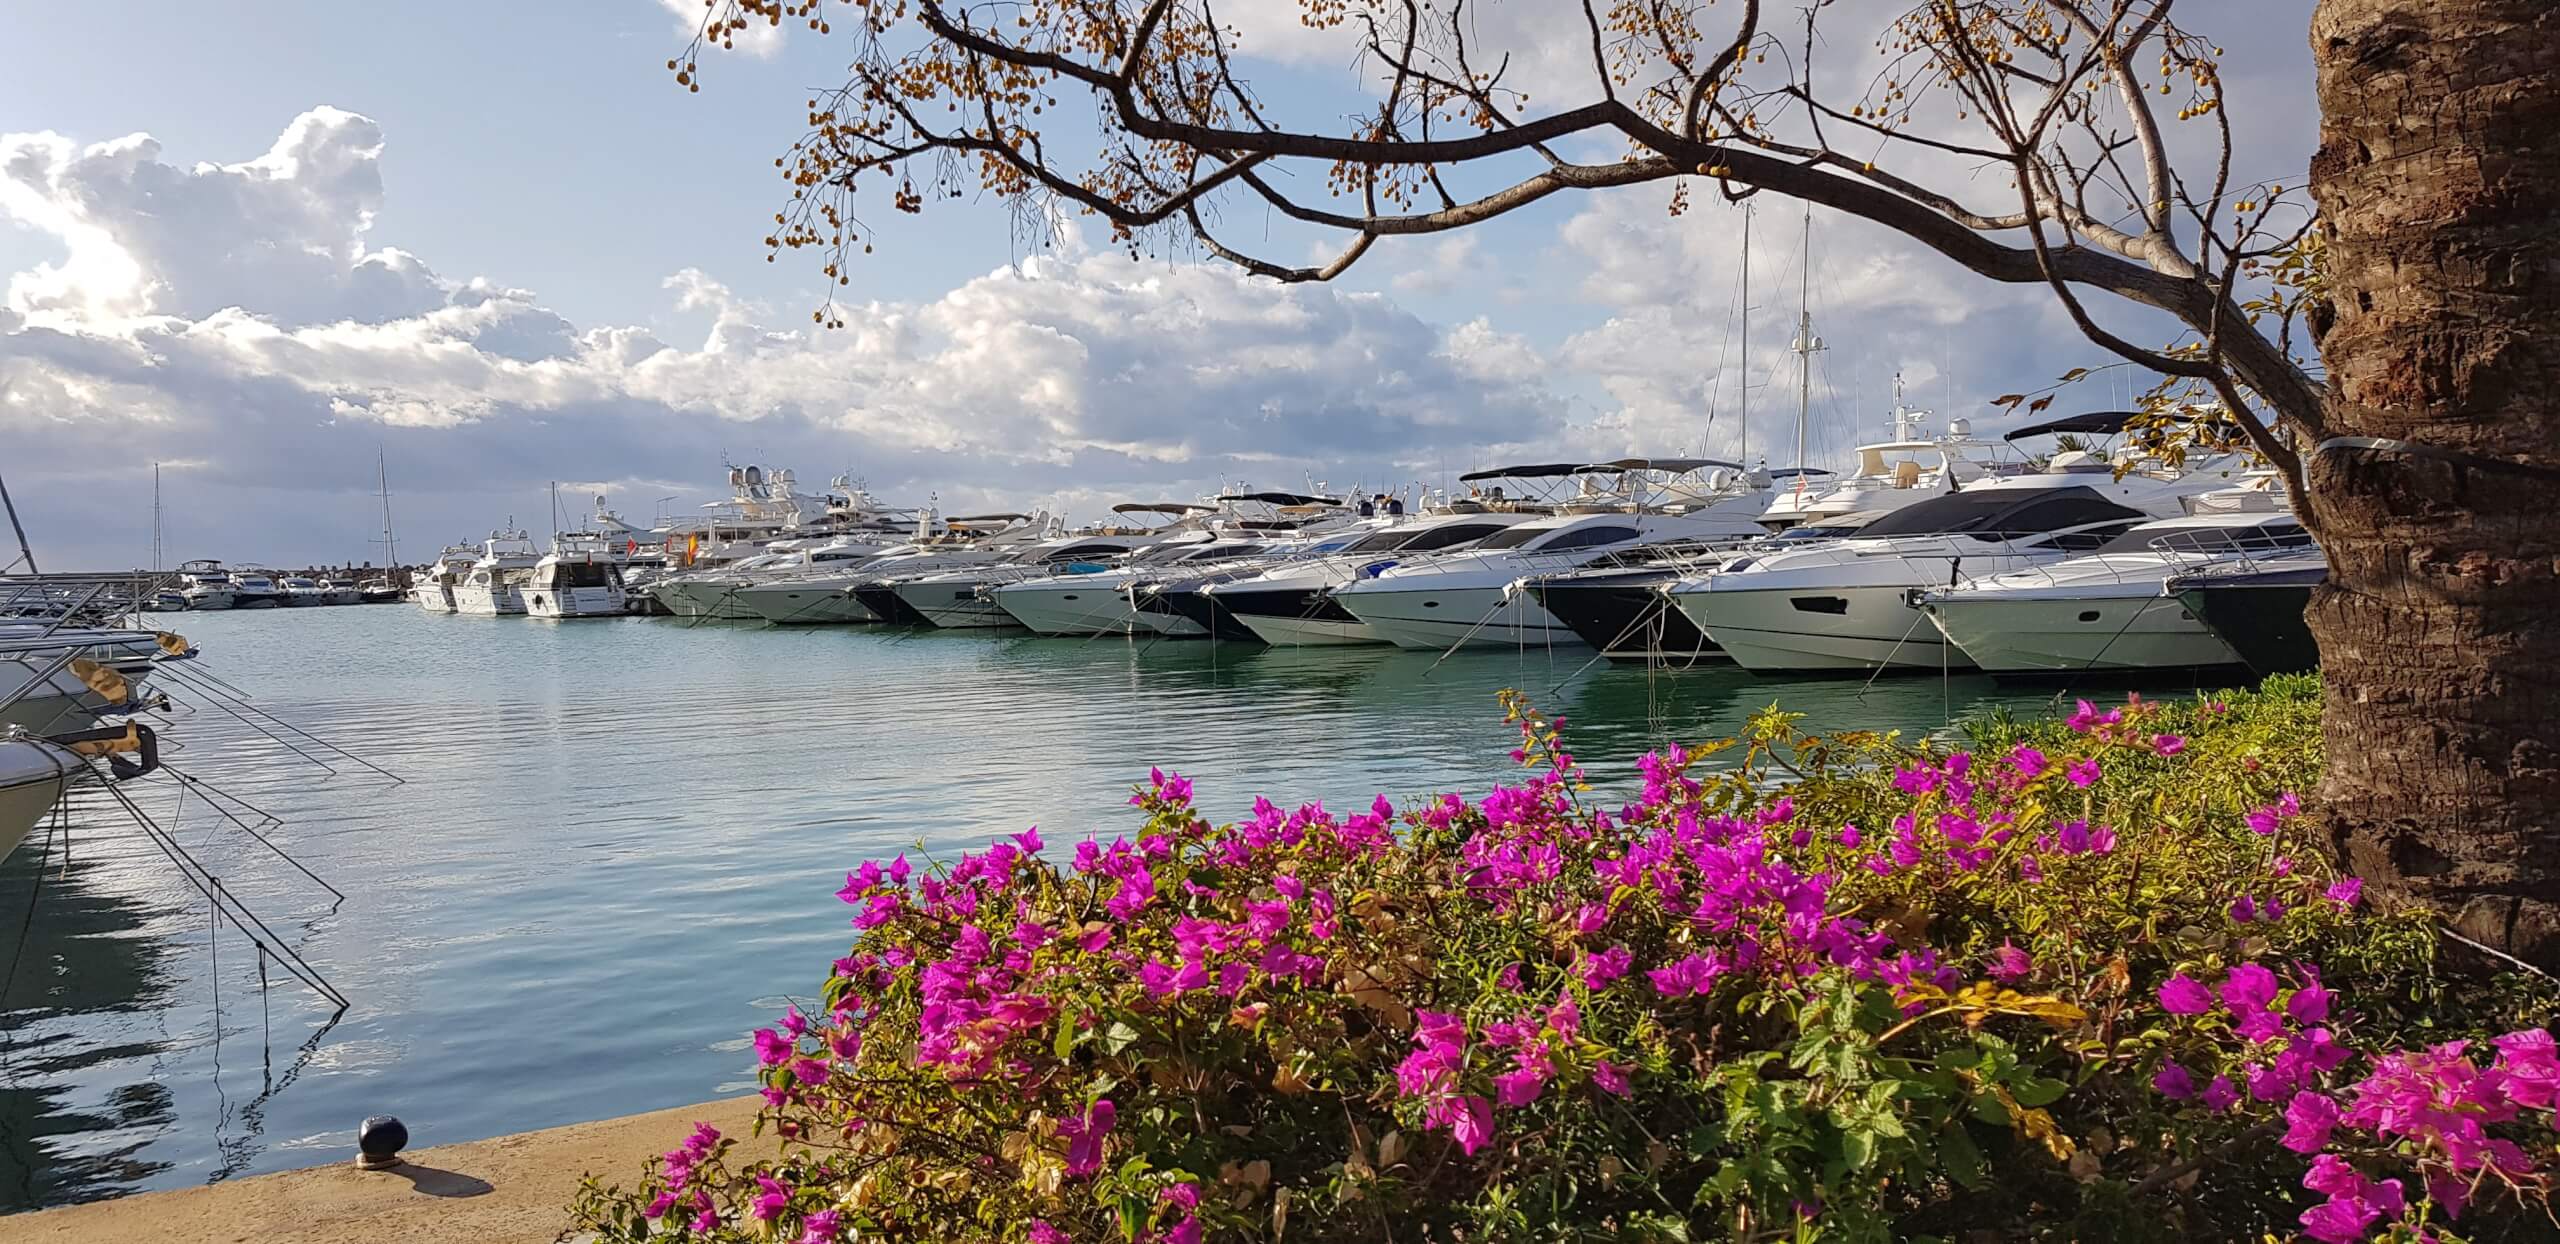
2175,553
82,598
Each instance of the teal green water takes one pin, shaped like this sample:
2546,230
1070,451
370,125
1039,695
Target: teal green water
617,844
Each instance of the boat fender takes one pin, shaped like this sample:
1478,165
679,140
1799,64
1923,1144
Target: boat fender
104,681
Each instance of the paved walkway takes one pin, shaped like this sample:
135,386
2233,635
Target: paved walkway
507,1190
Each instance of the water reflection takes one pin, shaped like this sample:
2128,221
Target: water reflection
618,842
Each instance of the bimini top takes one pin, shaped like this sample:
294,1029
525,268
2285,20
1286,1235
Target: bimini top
1674,466
2095,421
1161,507
988,518
1281,498
1538,471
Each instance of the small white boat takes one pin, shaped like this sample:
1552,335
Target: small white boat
301,591
495,584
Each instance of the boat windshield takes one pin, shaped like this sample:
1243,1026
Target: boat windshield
1382,541
2207,538
1998,512
1514,537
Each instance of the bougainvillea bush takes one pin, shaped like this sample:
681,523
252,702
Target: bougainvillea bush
2078,980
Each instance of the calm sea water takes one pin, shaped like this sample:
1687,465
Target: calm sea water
616,847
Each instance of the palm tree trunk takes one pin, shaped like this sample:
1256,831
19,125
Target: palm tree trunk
2438,180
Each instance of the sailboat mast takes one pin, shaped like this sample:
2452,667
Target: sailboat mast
155,516
390,546
1744,456
1806,343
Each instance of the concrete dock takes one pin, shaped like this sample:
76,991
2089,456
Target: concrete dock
505,1190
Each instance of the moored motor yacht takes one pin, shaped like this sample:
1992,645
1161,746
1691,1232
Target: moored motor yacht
581,577
256,589
205,584
303,591
719,592
494,586
1470,598
1846,605
1095,601
1621,605
2106,610
1292,604
964,599
434,590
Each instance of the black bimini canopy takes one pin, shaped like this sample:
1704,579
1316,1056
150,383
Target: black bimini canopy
1538,471
1281,498
1159,507
2104,421
1675,466
1792,472
987,518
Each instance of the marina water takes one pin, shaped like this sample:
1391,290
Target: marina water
617,844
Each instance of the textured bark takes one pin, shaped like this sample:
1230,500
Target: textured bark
2438,177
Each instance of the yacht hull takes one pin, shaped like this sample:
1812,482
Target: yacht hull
1316,632
1821,629
887,606
433,599
792,605
202,599
2259,617
500,601
715,599
577,602
32,778
1628,618
1070,609
1438,619
955,604
1295,617
2062,635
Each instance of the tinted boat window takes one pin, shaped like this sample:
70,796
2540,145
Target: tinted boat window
1450,536
1512,538
1589,538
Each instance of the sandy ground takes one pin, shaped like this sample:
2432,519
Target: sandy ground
508,1190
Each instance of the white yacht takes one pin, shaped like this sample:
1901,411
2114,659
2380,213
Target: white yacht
434,589
581,577
1250,526
495,583
1852,604
718,592
1292,604
302,590
342,592
963,599
1846,605
33,774
834,592
2107,610
256,589
1471,598
1095,600
205,584
1906,468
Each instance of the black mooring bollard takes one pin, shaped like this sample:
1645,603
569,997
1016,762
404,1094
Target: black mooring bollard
379,1141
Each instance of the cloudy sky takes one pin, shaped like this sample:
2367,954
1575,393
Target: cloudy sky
494,245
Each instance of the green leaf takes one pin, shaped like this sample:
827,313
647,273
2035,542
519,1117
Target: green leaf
2038,1091
1990,1109
1961,1157
1065,1041
1858,1148
1119,1036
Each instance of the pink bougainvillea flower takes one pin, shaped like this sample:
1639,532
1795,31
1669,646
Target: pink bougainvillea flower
2082,773
772,1048
1084,1137
2309,1119
2168,744
2174,1082
1471,1123
2220,1095
2184,995
2345,891
772,1197
2009,965
1611,1078
1042,1233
